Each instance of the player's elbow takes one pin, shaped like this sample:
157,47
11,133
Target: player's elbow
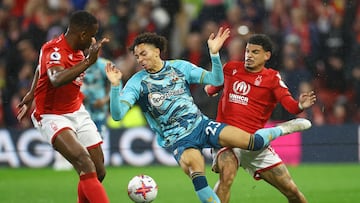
57,82
115,117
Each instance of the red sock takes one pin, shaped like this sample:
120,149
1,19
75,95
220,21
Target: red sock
81,195
92,189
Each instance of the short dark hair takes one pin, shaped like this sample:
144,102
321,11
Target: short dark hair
261,40
82,20
158,41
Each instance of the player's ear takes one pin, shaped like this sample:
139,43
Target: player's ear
158,52
267,55
83,35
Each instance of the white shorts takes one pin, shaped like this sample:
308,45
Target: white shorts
79,121
254,162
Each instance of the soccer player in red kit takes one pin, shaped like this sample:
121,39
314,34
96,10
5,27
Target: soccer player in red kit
250,94
59,114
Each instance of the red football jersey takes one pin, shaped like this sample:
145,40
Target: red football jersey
248,99
63,99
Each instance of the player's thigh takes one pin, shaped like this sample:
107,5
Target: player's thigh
192,161
231,136
279,177
67,144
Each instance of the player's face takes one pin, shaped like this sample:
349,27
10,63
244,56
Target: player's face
86,37
148,56
255,57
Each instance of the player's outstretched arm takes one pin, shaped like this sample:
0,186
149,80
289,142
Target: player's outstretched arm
60,76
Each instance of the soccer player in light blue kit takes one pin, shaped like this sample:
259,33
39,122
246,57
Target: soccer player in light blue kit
162,90
96,93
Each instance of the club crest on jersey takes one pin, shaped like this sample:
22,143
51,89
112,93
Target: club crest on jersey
79,80
234,72
258,80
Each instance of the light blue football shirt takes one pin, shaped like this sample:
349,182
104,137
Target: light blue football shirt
95,87
165,97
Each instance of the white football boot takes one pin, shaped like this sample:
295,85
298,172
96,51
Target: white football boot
294,125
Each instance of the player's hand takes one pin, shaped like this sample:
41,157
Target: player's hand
307,99
24,106
215,42
113,74
93,51
207,91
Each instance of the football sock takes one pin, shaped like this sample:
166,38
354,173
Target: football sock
263,137
202,189
81,195
92,188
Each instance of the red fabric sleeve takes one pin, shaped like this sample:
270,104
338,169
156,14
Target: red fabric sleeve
290,104
213,90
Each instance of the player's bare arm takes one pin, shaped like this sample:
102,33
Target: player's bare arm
26,102
59,75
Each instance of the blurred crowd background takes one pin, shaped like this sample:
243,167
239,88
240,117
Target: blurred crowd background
317,44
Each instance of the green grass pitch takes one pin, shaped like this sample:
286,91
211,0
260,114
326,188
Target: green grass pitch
321,183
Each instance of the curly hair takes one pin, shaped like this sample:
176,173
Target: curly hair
262,40
158,41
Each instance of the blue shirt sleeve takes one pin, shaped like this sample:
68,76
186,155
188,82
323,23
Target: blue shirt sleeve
216,76
121,100
199,75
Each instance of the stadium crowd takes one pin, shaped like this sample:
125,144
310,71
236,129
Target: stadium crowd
317,44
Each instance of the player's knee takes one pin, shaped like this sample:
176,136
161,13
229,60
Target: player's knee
84,163
228,175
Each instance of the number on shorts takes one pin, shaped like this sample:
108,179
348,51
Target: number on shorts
212,128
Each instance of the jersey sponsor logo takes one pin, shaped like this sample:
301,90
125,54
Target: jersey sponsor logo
157,98
241,89
239,99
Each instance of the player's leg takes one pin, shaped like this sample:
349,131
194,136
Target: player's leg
97,156
226,164
193,164
280,178
89,188
231,136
